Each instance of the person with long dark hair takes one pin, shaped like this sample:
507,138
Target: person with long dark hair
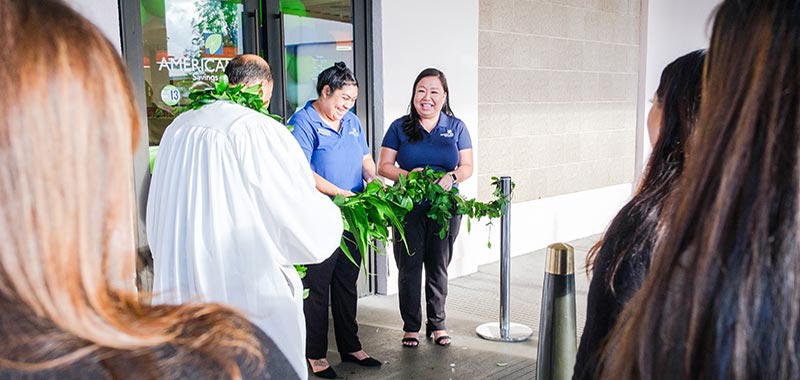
428,136
621,259
722,300
68,305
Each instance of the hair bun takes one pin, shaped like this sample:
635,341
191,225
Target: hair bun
341,65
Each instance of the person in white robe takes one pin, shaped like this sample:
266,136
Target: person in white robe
232,205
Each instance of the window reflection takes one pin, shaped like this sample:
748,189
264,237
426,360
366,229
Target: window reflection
185,41
317,33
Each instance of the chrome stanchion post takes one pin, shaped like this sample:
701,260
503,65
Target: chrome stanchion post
505,331
505,261
557,331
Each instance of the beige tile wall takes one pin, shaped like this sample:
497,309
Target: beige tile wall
557,94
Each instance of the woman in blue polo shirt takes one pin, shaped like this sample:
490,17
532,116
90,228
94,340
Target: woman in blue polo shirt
430,135
333,141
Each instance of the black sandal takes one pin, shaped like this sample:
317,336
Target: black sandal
439,341
410,342
430,333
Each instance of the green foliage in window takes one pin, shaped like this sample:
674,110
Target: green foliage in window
215,17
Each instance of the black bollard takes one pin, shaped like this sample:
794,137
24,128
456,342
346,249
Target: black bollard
557,330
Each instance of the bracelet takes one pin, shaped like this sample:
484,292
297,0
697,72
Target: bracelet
453,175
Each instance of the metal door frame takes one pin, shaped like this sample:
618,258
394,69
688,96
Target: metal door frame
274,53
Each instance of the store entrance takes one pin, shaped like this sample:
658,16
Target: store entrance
186,42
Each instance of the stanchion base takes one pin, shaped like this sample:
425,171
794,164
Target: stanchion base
516,332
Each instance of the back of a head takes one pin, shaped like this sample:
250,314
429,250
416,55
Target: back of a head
722,297
248,69
679,93
66,140
68,126
635,229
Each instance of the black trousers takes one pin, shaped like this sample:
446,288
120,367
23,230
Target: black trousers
434,254
336,276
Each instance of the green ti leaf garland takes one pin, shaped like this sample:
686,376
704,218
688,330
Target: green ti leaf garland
249,97
369,214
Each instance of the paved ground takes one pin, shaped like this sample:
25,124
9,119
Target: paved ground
473,300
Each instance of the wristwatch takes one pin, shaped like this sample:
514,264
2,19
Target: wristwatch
453,175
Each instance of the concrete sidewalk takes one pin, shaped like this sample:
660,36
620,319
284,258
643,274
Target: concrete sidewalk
472,301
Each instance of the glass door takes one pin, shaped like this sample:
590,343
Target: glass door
316,34
190,41
304,37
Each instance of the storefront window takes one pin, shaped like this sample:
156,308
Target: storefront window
185,42
316,35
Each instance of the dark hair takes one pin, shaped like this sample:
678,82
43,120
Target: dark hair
633,231
336,77
248,69
722,300
411,121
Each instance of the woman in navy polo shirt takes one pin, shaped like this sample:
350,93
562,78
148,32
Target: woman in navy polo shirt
333,141
430,135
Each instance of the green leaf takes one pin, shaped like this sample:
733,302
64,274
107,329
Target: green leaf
373,187
407,203
301,270
252,90
339,200
222,84
235,89
346,250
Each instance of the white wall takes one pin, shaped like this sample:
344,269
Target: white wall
674,28
410,36
104,14
537,224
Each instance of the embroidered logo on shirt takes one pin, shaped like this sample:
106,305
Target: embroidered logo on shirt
353,133
324,131
447,134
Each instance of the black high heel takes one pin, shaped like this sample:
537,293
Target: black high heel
327,373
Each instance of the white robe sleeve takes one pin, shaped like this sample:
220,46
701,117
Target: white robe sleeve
305,224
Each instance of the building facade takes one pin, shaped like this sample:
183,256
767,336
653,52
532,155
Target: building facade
553,92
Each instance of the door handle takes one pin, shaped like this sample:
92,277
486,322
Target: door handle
256,32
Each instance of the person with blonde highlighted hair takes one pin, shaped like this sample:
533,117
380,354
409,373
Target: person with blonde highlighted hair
68,305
